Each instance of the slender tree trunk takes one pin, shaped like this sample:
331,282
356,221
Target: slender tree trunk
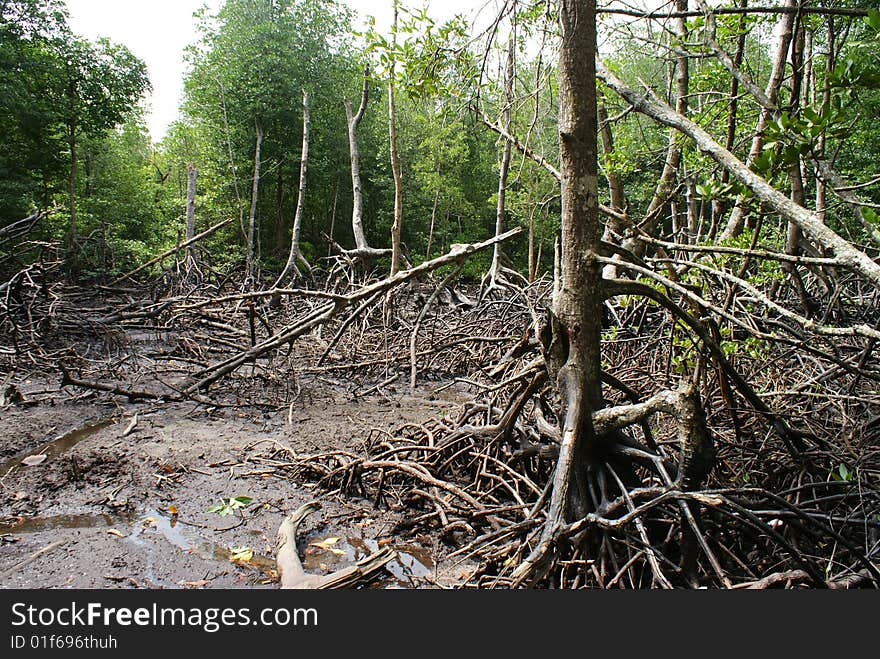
333,217
191,175
433,220
531,273
500,208
821,186
255,191
718,206
395,161
290,268
71,189
793,232
357,210
666,183
737,217
615,185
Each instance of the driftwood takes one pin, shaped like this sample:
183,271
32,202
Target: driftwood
290,569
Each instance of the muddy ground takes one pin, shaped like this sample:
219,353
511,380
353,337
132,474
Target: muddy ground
114,510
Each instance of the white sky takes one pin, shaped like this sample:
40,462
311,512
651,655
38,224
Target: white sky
157,31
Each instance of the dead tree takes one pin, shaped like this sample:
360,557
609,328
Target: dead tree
191,175
493,278
362,248
252,215
290,269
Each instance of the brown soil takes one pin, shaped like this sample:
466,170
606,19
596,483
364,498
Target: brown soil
132,510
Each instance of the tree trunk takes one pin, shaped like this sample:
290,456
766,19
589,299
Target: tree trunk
395,161
673,152
255,191
615,185
500,208
718,206
738,215
191,175
357,209
573,355
290,268
71,190
433,221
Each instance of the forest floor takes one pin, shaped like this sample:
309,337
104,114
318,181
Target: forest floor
131,510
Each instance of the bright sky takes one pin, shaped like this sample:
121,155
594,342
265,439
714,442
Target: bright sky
157,31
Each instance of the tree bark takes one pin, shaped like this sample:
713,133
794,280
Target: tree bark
191,175
255,191
573,355
290,268
395,160
737,217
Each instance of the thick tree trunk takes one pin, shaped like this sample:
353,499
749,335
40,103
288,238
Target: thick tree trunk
574,356
255,191
290,268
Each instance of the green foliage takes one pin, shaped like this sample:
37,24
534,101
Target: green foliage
229,505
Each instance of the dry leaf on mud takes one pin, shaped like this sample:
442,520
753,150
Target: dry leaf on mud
34,460
327,545
117,533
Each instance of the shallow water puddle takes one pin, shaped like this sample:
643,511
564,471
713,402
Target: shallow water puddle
413,562
56,522
175,533
59,445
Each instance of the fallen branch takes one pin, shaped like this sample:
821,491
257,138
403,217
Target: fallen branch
290,569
